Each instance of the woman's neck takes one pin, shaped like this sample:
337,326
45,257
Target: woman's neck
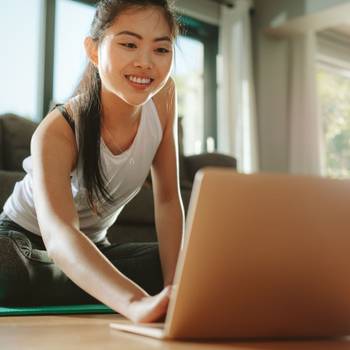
117,113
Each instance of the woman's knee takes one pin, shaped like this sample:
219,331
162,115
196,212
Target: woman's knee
140,262
132,250
14,272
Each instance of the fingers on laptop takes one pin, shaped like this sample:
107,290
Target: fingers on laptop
151,308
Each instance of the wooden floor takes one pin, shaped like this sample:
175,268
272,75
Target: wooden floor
93,332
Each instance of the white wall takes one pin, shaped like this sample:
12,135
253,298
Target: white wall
270,10
271,69
312,6
280,11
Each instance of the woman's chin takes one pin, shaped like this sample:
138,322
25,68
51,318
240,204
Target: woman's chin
136,100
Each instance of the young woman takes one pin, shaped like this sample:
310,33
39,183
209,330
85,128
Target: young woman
89,158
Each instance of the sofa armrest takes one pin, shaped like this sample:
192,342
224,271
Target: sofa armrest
195,162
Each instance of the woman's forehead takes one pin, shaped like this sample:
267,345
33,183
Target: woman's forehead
149,21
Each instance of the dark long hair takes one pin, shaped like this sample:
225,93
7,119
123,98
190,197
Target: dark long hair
88,108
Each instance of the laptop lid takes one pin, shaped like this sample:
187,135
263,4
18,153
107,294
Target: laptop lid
266,255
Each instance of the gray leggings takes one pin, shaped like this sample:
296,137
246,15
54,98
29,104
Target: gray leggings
29,277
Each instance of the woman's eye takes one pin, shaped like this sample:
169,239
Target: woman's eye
129,45
162,50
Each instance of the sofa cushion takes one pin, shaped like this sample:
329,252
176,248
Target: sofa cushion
119,233
16,135
8,180
140,209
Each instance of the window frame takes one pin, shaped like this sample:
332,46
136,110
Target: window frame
47,56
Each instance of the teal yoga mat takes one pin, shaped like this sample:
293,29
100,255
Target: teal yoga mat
56,310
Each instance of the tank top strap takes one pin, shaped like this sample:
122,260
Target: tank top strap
66,115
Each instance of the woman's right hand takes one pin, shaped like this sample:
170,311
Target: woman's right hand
149,308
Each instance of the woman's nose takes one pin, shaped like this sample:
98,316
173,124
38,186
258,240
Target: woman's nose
143,60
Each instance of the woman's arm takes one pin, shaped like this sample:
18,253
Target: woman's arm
169,213
54,156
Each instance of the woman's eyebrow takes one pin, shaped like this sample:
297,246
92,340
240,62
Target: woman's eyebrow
127,32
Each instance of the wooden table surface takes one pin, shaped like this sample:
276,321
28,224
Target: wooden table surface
66,332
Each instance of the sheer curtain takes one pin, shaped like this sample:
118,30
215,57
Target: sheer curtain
305,126
237,132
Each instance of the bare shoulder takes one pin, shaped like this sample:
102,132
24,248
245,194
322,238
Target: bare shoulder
55,133
55,125
165,102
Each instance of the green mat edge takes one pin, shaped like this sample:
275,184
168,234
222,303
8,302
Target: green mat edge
57,310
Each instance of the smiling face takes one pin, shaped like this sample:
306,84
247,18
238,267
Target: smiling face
135,56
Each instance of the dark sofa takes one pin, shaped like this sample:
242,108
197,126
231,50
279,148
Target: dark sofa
136,222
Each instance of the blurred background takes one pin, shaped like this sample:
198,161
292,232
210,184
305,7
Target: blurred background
265,81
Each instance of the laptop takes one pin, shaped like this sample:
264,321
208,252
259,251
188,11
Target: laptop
265,256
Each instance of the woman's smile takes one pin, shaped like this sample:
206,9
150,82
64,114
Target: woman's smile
139,83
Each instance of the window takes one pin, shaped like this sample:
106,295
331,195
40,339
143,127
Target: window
19,85
188,74
333,77
195,75
334,88
73,20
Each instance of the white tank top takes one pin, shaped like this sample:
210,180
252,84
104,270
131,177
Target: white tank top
125,174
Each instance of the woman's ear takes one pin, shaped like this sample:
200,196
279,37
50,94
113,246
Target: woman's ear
91,50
